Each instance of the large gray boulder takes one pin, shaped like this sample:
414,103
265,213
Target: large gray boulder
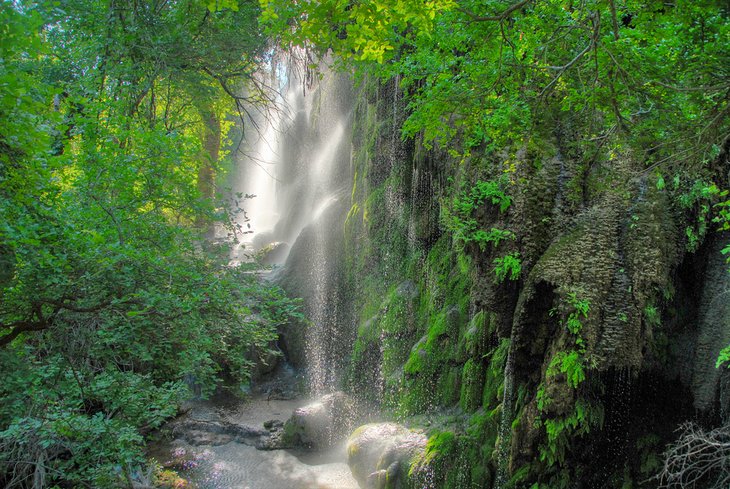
321,424
380,454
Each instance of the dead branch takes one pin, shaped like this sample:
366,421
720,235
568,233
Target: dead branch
698,458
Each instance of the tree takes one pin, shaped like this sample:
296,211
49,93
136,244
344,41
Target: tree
111,302
491,72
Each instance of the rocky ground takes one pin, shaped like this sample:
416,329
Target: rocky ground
230,444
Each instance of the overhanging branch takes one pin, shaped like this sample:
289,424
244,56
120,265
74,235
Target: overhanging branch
494,18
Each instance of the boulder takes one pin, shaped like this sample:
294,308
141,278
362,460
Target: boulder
273,254
380,454
262,240
321,424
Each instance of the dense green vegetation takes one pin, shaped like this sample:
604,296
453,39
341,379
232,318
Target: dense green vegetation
538,190
113,305
490,72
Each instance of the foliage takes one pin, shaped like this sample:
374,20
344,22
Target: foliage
482,191
485,72
460,217
724,357
111,301
652,315
700,199
570,364
560,430
508,266
366,31
579,309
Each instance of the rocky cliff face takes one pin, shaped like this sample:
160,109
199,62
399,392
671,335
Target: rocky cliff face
561,369
712,333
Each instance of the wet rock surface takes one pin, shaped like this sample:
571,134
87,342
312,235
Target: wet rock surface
381,454
214,433
274,253
713,332
321,424
200,453
227,443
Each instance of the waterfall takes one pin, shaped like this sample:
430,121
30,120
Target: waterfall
299,171
255,180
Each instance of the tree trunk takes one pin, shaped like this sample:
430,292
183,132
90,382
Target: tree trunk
206,172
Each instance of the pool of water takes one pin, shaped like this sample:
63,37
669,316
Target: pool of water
238,466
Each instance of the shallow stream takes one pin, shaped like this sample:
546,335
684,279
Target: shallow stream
236,465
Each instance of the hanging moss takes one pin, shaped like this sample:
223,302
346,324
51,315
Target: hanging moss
449,387
472,379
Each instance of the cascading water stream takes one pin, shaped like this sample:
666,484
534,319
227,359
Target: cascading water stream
256,181
299,170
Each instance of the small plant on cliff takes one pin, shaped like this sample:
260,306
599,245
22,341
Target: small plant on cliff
482,191
460,219
571,364
723,219
508,266
724,357
559,430
700,199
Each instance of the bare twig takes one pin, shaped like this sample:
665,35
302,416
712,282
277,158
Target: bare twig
697,458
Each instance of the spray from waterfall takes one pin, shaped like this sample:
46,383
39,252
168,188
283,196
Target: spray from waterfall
297,170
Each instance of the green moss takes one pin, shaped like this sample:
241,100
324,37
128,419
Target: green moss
494,377
452,460
449,387
472,378
416,360
478,333
398,327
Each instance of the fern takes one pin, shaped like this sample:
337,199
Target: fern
508,266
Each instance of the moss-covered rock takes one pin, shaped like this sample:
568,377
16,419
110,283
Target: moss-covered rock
380,454
472,384
439,333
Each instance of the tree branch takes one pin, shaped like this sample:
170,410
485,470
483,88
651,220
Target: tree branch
494,18
17,328
562,69
697,457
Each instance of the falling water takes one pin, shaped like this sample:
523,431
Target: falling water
325,199
291,180
505,426
298,169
